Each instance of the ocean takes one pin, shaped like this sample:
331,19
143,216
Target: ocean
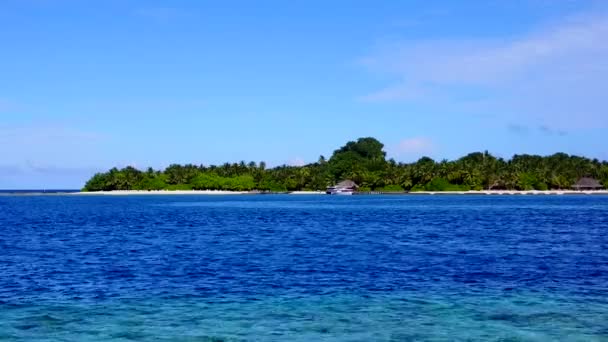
303,268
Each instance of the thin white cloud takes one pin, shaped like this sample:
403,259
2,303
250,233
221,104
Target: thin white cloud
522,130
489,62
296,162
39,135
34,147
33,168
518,129
552,77
30,175
399,92
143,107
47,155
547,130
412,147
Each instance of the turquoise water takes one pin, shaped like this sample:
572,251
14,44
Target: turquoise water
281,268
398,317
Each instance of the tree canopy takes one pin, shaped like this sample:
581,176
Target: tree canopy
364,161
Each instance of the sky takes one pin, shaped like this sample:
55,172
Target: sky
88,85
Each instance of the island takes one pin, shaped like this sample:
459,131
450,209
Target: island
364,162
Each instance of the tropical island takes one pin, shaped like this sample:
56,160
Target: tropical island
364,162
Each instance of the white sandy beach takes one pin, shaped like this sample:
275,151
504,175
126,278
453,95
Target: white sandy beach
221,192
514,192
186,192
162,192
307,193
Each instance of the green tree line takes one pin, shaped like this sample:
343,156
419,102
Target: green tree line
364,161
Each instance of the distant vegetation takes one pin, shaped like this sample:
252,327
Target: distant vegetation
364,162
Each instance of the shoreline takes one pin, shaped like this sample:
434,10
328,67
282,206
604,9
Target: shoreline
513,192
223,192
189,192
254,192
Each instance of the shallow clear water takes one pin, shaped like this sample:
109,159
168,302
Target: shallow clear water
300,268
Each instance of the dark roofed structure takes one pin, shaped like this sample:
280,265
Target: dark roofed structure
345,187
587,183
347,184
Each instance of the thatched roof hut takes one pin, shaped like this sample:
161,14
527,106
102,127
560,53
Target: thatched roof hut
347,184
345,187
587,183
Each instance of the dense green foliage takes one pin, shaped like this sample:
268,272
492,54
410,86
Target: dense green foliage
364,162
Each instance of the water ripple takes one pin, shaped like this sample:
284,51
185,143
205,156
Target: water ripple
286,268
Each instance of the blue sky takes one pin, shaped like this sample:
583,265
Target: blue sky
85,86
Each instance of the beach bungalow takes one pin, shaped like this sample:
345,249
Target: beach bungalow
345,187
587,183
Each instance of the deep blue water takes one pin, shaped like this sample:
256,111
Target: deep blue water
303,268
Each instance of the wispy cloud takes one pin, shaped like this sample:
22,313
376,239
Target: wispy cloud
412,148
33,147
144,107
21,135
399,92
523,130
518,129
32,168
30,175
550,131
40,155
554,77
297,161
